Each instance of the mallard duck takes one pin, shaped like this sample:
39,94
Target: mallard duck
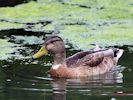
82,64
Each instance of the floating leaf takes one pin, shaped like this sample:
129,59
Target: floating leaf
6,48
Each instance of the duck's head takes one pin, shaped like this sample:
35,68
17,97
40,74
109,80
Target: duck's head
52,44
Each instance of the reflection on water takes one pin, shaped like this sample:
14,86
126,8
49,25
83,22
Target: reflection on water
85,86
59,89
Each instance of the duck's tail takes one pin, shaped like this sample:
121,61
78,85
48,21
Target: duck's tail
114,52
118,53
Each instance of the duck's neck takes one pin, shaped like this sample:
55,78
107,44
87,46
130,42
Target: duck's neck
59,58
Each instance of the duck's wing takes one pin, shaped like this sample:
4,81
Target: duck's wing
91,60
72,60
88,58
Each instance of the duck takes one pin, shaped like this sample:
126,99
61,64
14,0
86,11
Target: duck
82,64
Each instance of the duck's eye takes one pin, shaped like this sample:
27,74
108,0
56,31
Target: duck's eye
52,42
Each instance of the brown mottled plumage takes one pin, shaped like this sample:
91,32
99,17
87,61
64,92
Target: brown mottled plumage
85,63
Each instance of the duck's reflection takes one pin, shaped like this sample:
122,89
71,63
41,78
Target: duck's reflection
59,89
60,85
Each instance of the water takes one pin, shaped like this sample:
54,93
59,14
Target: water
25,79
11,3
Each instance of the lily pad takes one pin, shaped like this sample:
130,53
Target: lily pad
6,49
81,35
41,28
7,26
27,40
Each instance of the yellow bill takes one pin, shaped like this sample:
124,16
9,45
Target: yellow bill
43,51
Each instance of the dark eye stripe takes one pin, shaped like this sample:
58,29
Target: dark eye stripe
54,41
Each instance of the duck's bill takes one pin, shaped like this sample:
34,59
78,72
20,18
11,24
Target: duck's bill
43,51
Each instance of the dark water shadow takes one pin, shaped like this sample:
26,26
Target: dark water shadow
11,3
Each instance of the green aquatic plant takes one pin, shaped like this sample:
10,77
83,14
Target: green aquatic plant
82,36
107,23
6,49
8,25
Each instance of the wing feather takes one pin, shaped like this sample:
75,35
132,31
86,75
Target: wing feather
88,58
